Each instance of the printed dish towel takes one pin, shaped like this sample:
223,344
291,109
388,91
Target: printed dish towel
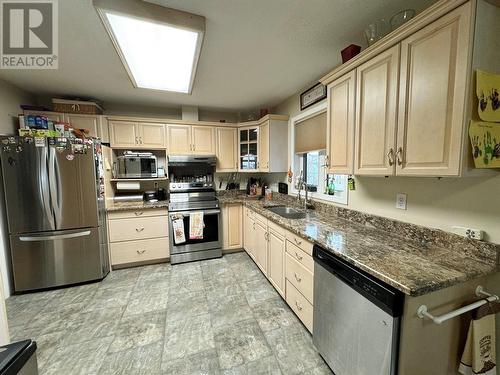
480,348
178,226
196,225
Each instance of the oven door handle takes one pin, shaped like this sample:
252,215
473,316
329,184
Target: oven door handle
205,212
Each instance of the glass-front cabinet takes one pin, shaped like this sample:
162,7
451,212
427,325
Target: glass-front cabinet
249,144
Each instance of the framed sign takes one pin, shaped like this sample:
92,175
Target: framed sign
312,95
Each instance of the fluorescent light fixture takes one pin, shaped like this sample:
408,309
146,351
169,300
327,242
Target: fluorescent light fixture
159,47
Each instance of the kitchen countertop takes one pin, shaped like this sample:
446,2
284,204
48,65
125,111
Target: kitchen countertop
413,268
124,206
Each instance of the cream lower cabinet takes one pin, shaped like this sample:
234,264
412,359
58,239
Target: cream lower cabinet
136,135
285,259
226,149
232,226
138,236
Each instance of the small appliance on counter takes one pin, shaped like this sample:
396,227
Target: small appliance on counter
19,358
134,164
151,196
282,188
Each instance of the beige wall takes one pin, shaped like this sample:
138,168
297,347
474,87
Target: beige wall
10,99
432,202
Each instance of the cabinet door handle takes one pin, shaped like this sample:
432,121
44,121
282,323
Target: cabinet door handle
298,305
136,140
139,229
299,279
299,257
141,251
399,155
327,161
390,157
297,241
138,213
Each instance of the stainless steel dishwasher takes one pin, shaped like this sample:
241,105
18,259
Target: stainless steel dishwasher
356,318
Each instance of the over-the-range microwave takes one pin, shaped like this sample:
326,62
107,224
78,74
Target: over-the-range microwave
136,165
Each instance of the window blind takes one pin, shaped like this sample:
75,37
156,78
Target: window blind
310,134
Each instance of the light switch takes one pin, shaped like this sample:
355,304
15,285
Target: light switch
401,201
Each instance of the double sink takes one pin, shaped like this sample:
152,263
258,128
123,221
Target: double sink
289,212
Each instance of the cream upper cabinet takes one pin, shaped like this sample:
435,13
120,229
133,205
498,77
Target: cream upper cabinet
340,124
232,226
263,163
123,134
152,135
126,134
434,73
376,114
276,267
179,139
226,150
203,140
84,122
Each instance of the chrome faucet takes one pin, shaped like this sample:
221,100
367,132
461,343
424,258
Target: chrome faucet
302,184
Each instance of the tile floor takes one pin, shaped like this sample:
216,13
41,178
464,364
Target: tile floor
212,317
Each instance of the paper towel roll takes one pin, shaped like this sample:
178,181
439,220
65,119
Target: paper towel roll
129,186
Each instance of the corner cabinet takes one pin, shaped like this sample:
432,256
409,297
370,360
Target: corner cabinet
262,145
340,124
135,135
226,149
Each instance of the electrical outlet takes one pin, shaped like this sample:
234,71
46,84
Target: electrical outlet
401,201
475,234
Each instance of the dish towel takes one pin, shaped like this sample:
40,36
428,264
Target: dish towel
178,226
196,225
480,348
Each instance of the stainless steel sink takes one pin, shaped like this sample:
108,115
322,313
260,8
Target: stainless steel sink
288,212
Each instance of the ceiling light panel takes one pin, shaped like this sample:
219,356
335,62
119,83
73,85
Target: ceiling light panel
159,46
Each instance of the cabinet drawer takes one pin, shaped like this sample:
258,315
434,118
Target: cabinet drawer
299,276
139,251
138,228
259,218
300,256
300,242
128,214
276,228
300,306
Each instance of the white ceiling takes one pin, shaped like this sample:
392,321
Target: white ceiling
255,53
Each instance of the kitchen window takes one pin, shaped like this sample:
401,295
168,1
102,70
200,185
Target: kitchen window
308,157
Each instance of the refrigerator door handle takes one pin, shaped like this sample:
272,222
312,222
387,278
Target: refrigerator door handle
54,236
54,185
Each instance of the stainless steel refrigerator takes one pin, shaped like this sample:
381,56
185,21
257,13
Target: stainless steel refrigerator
54,198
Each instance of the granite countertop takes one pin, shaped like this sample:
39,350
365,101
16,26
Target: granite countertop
409,266
124,206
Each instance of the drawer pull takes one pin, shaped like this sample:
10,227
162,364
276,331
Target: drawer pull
299,307
139,229
297,241
297,277
299,257
138,213
141,251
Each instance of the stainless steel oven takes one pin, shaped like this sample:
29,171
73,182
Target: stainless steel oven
136,165
192,191
196,249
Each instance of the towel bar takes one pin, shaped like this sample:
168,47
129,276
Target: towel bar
422,311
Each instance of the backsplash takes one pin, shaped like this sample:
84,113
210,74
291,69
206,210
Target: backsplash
486,251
